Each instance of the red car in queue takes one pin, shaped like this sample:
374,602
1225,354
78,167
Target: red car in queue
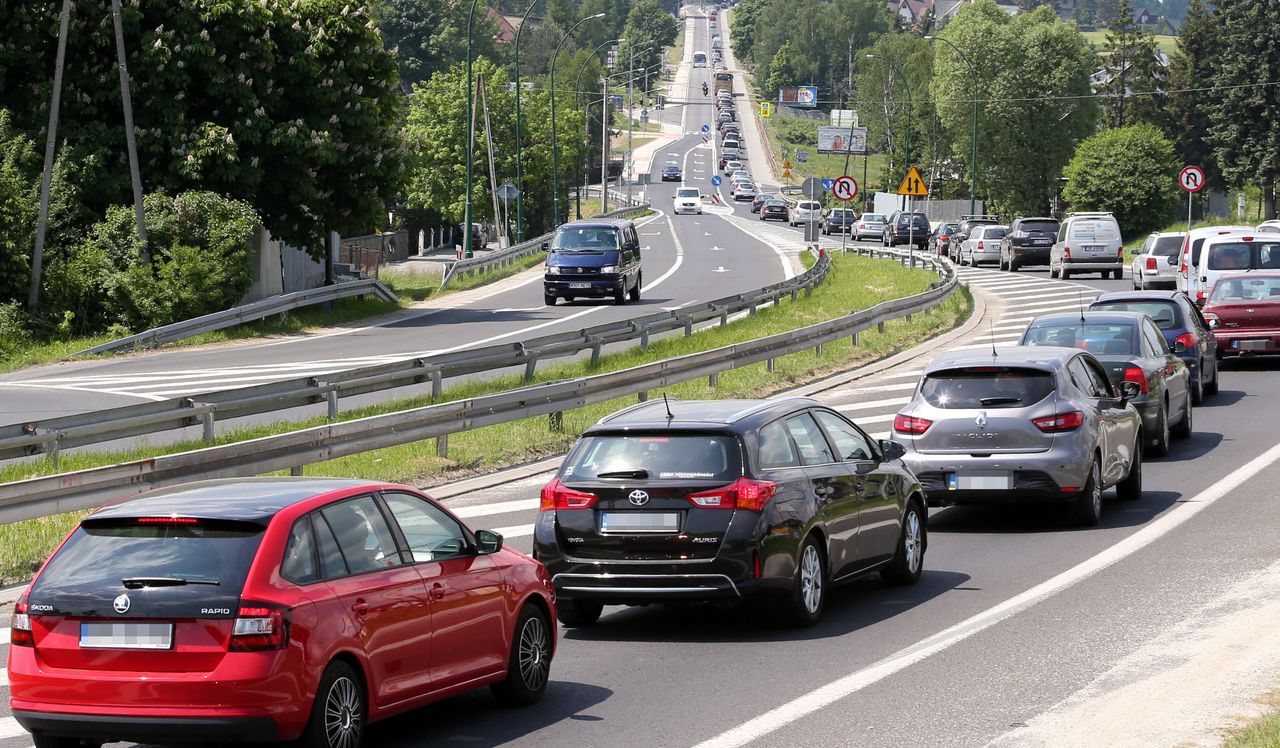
271,609
1243,311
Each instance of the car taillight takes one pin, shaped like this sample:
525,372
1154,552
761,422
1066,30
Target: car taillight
1066,253
980,244
1213,320
20,626
1188,339
258,627
1059,422
744,493
555,495
911,425
1120,254
1138,376
1151,263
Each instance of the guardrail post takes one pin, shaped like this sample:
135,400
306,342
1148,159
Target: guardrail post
752,311
808,291
529,367
713,379
442,446
817,349
688,326
295,471
333,405
208,426
644,338
437,385
880,328
55,452
642,396
555,421
595,353
908,317
724,317
769,364
853,340
795,294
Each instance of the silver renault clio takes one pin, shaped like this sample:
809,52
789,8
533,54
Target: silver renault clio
1014,425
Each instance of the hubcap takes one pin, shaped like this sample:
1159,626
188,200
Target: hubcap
911,542
811,579
1096,497
534,662
343,714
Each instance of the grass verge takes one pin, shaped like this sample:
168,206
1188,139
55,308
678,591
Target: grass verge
854,283
1261,733
788,135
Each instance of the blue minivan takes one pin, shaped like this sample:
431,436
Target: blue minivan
593,258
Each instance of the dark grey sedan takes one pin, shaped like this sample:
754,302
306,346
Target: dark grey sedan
1024,425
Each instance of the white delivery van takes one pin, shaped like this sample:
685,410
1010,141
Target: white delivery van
1187,281
1087,243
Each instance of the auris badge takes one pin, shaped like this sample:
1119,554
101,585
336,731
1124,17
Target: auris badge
639,498
121,604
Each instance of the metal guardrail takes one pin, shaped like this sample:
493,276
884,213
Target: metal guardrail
504,257
42,496
247,313
52,435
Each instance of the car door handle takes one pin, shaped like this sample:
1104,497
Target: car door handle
437,591
824,490
860,485
360,607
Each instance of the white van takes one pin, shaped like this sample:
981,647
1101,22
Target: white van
730,148
687,199
699,59
1235,253
1189,257
1087,243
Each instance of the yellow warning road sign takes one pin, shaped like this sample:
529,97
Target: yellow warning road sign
913,184
766,109
786,173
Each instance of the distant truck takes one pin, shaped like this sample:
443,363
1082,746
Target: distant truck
724,82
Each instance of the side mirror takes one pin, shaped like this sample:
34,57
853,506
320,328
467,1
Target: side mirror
488,541
546,246
892,450
1129,390
1179,346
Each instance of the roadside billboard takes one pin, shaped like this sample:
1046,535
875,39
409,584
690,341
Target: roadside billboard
844,118
842,139
801,97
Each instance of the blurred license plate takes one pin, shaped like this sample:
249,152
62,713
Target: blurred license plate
1254,345
639,522
126,635
1040,242
980,480
579,285
1093,249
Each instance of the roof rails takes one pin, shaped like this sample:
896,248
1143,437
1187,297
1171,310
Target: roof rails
979,215
1086,213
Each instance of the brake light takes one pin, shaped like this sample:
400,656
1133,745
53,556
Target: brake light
167,520
20,626
1200,298
1120,254
911,425
980,244
1188,339
1060,422
1066,253
744,493
1134,374
259,627
1151,263
555,495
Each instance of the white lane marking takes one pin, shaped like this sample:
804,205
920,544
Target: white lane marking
720,269
983,345
869,404
503,507
4,677
514,531
836,690
1047,306
1045,294
869,389
95,390
864,420
9,728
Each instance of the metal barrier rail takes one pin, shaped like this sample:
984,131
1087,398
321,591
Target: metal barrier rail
505,257
247,313
55,434
42,496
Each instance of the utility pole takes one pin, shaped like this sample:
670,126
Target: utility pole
493,172
631,111
604,144
42,221
130,146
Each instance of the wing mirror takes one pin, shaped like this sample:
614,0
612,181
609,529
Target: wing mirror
1179,346
488,541
546,246
1129,390
892,450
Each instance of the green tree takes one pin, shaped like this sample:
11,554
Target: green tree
430,35
886,102
292,107
1192,69
647,22
1132,93
1130,171
1035,105
1246,131
17,210
744,18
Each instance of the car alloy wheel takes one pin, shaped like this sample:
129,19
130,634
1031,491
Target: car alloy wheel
343,713
908,560
911,544
1088,505
534,653
1161,446
529,659
811,579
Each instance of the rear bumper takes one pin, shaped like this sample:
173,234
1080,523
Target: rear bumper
149,729
1248,343
1029,255
1030,487
1035,477
1092,265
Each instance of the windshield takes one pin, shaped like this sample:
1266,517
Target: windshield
808,205
1165,313
662,457
1254,288
840,212
1047,227
1090,230
986,387
873,217
687,192
1114,338
1244,256
588,238
994,233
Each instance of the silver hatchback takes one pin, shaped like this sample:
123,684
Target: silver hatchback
1026,425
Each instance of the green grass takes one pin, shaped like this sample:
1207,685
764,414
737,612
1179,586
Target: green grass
854,283
1263,732
788,135
1167,44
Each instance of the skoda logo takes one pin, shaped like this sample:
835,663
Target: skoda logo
981,420
639,498
121,604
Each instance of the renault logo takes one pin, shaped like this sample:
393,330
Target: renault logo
639,498
121,604
981,420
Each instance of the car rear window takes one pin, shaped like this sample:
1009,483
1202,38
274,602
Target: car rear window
986,387
1244,256
914,218
1094,230
1097,338
1265,288
199,552
1167,246
1166,314
808,205
994,233
876,217
660,456
1048,227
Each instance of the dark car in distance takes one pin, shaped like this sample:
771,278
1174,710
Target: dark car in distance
906,228
726,500
1181,322
774,210
1027,243
760,199
271,609
671,173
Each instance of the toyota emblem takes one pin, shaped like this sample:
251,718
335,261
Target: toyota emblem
121,604
639,498
981,420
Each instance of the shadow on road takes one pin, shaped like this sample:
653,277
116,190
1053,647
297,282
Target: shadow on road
1036,518
861,603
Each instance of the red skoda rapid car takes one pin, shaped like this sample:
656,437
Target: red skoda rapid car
271,609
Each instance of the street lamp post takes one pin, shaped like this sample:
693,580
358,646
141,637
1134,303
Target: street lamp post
555,145
586,126
973,159
466,210
519,163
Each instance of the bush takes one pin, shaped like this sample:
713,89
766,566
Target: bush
14,335
1130,171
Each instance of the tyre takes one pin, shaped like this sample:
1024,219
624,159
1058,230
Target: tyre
1133,277
1053,273
1130,488
635,291
57,741
1064,274
1013,266
529,664
1117,274
1197,388
1086,509
620,296
1160,444
1211,387
549,299
908,558
578,612
809,588
1185,427
338,714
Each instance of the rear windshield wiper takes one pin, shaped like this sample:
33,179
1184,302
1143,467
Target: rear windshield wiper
637,474
134,583
1000,400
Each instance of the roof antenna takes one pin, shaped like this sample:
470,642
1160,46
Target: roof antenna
992,326
1080,293
670,416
